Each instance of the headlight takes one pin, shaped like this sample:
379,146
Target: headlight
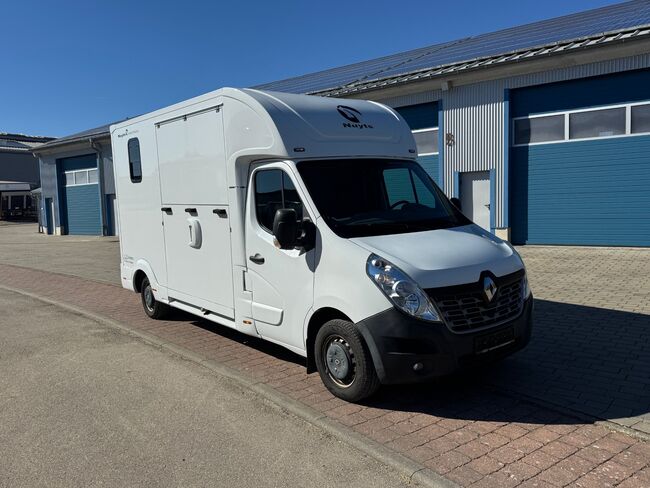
401,290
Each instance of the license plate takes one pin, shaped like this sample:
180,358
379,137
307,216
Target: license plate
490,342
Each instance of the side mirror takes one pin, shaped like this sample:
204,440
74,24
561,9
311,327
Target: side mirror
285,228
455,202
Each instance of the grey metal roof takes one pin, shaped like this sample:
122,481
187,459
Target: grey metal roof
20,142
580,30
97,132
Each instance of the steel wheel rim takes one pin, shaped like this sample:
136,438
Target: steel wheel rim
340,364
149,300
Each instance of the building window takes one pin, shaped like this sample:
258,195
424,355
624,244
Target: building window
602,122
539,129
597,123
426,141
135,164
93,176
640,119
81,177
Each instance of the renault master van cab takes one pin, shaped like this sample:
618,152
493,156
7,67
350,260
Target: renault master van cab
307,221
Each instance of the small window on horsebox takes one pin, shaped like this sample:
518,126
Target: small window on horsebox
135,165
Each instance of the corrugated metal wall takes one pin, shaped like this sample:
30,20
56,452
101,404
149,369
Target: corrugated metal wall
474,114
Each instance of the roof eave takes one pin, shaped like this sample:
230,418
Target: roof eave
58,144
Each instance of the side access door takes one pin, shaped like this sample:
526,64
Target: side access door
282,281
195,212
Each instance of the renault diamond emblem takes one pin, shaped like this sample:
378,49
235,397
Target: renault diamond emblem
489,288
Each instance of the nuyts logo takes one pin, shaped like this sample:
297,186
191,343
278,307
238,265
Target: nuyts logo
354,116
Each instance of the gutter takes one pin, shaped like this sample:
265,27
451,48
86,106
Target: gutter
65,141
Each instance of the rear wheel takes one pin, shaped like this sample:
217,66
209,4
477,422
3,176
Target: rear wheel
152,307
343,361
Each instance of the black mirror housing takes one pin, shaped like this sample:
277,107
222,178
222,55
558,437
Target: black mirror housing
285,228
455,202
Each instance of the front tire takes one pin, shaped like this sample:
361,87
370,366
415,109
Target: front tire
343,361
152,307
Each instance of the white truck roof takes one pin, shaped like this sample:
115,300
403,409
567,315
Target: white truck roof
261,124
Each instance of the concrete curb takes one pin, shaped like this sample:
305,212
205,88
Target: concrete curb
410,469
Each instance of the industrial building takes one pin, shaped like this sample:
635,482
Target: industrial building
541,130
77,186
19,175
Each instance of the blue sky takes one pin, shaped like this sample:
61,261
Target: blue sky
72,65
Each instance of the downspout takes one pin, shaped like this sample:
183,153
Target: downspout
100,171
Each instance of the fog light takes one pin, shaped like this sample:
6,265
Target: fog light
418,367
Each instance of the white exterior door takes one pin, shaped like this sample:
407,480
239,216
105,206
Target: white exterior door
282,281
475,197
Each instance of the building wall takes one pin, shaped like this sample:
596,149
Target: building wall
19,167
50,183
477,117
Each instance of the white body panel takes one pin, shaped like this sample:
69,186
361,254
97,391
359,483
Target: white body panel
190,224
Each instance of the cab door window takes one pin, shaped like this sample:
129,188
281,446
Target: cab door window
274,190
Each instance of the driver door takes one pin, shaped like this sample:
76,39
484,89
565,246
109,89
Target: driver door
281,281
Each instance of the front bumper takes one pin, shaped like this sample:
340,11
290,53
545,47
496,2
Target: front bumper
398,342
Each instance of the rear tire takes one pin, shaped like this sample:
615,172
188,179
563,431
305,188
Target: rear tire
152,307
344,362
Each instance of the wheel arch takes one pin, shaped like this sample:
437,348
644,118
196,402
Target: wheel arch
316,321
138,278
142,269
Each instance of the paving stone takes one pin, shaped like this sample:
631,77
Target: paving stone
446,462
615,471
485,465
559,449
521,471
506,455
541,460
464,475
474,449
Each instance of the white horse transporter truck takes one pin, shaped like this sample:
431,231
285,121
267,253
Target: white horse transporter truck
306,221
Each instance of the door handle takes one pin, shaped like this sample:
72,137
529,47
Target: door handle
167,210
190,210
257,258
487,205
221,212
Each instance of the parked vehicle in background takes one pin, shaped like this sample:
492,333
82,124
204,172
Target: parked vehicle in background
17,205
306,221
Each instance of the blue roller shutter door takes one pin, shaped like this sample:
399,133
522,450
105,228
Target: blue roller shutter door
424,116
82,206
582,192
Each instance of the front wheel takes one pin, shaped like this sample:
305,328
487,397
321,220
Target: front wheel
343,361
152,307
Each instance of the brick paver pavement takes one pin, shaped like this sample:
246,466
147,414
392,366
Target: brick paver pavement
462,428
591,340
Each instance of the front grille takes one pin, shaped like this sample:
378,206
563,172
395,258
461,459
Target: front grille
464,308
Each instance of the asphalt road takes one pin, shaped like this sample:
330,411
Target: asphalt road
82,404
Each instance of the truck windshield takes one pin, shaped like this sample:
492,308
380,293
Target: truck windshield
369,197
